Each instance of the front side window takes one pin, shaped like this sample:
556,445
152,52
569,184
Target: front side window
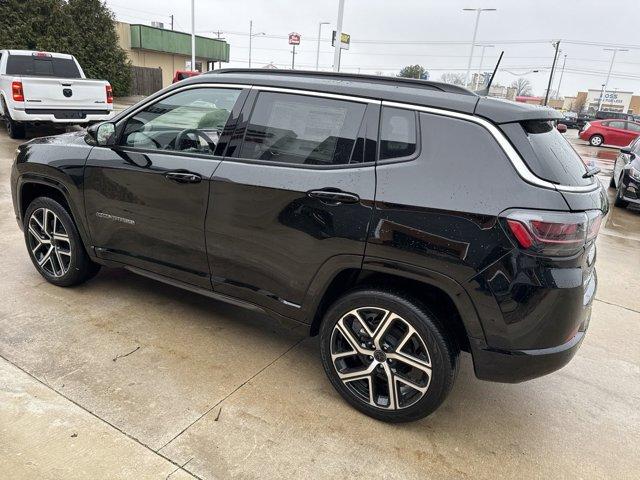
397,133
634,127
302,130
190,121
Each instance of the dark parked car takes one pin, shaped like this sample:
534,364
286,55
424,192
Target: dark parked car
401,220
607,115
626,175
577,122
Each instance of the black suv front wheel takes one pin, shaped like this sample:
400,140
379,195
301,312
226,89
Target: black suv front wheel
387,355
54,244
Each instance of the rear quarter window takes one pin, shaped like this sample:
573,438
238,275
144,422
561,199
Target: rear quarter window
547,153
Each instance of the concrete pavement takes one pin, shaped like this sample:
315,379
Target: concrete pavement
152,378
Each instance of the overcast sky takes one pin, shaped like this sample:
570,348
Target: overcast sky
524,29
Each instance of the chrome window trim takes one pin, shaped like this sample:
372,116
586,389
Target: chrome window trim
515,159
313,93
513,156
146,102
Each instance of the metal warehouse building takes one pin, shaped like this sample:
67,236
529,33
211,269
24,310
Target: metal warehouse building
156,53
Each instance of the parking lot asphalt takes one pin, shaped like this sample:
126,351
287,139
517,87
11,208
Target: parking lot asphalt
124,377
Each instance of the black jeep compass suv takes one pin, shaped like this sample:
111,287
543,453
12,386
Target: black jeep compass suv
403,221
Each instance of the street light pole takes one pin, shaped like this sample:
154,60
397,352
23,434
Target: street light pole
561,75
475,33
318,49
193,35
480,67
606,82
338,42
250,37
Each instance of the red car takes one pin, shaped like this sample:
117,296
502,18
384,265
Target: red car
182,74
610,132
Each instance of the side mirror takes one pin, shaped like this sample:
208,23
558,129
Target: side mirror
103,134
626,150
562,128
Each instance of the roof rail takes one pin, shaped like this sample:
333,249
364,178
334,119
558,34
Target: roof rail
410,82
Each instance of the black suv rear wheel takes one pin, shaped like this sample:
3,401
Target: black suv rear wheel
388,355
54,244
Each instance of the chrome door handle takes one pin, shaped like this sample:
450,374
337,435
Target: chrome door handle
183,177
333,196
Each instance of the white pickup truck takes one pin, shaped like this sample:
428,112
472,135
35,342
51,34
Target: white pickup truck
43,87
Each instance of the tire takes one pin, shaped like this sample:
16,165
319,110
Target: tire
392,320
50,230
596,140
14,129
619,201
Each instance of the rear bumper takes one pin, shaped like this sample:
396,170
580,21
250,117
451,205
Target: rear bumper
513,366
61,116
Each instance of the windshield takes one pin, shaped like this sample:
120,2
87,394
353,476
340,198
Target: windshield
28,65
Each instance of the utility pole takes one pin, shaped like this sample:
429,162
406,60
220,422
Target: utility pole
171,21
338,42
251,35
606,82
553,67
218,34
561,75
475,33
318,47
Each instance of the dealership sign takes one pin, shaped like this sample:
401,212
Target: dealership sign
294,38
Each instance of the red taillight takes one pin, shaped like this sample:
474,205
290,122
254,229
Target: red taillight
109,94
18,93
553,233
520,232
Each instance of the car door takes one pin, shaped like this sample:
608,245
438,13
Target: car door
616,133
296,189
632,131
146,198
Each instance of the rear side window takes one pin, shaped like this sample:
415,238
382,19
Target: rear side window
28,65
548,154
397,133
302,130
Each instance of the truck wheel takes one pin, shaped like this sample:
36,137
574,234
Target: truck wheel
14,129
596,140
54,244
387,355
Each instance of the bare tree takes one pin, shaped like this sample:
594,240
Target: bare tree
578,104
452,78
522,86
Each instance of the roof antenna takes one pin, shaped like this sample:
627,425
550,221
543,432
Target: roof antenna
485,91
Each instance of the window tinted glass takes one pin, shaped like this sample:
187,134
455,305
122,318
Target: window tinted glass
560,161
28,65
634,127
302,130
616,124
397,133
189,121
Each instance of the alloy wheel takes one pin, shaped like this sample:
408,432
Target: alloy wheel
380,358
49,242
